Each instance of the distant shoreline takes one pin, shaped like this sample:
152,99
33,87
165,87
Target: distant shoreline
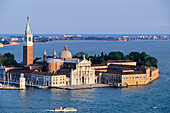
100,40
11,44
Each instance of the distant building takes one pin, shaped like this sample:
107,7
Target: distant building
78,35
14,39
65,36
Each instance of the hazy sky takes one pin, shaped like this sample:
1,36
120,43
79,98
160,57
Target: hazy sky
85,16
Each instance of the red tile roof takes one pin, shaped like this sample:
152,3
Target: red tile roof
126,73
34,72
117,61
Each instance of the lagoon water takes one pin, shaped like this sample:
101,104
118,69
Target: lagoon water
97,100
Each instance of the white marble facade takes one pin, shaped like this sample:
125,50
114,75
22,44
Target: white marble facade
83,74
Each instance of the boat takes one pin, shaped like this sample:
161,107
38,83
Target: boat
120,85
153,107
65,109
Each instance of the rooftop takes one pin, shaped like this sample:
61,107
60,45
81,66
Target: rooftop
126,73
73,60
34,72
153,68
117,61
98,65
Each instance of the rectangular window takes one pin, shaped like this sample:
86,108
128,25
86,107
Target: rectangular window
29,38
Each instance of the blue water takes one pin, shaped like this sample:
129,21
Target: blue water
97,100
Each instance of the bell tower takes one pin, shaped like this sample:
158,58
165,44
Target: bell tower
28,45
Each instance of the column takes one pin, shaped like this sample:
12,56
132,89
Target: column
77,75
81,74
71,77
89,74
85,78
100,74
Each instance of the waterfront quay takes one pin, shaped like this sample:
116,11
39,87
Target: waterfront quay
70,87
89,86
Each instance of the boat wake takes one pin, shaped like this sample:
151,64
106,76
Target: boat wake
50,110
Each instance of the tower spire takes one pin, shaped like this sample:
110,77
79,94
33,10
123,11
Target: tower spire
27,29
54,54
44,56
65,47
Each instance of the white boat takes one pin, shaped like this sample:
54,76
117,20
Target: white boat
65,109
153,107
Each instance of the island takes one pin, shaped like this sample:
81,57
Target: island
77,71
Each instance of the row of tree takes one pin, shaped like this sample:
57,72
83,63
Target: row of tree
8,59
140,58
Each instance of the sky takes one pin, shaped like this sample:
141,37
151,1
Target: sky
85,16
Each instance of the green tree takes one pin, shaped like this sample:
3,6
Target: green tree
49,56
37,58
80,55
115,56
1,59
126,57
5,42
134,56
152,61
9,60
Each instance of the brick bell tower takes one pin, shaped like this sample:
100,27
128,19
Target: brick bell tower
28,45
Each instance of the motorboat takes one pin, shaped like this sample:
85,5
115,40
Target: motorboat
65,109
153,107
120,85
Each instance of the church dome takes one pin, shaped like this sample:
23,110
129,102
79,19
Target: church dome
65,54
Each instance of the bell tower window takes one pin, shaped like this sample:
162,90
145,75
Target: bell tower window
29,38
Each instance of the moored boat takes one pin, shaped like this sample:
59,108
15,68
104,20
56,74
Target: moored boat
120,85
